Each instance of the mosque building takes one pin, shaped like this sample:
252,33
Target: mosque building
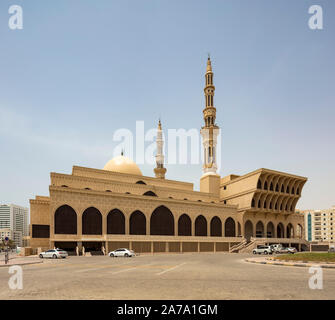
118,207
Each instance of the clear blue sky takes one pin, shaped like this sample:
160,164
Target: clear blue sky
79,70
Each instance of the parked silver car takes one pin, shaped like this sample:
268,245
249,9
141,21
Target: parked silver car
262,249
53,253
287,250
122,253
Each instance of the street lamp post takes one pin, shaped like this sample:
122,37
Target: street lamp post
6,250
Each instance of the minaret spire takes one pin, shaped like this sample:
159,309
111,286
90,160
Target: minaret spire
160,170
210,130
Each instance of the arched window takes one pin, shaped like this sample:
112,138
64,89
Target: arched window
292,190
264,204
298,191
280,230
266,185
65,220
289,231
270,230
259,184
140,182
115,222
277,187
137,223
259,229
162,222
271,186
92,221
150,193
201,226
248,230
184,225
287,189
259,203
229,227
282,188
216,227
253,203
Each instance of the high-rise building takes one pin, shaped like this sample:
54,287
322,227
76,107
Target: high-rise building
16,219
320,225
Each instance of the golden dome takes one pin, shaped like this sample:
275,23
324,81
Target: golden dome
124,165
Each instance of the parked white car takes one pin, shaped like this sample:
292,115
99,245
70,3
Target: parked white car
122,253
262,249
54,253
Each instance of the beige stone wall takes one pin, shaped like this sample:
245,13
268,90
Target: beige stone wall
130,178
80,200
78,182
210,184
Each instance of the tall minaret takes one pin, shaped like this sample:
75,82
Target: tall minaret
160,170
210,130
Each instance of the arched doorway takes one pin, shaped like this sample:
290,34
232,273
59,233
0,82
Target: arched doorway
216,227
259,229
65,220
248,230
162,222
270,230
201,226
92,221
137,223
289,231
116,222
229,228
280,230
184,225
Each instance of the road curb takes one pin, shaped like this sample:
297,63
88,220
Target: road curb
291,264
20,264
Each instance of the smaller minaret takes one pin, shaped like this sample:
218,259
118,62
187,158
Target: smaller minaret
160,170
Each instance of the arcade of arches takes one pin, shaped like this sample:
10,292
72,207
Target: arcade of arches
162,222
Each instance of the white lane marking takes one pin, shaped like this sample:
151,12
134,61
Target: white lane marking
132,268
179,265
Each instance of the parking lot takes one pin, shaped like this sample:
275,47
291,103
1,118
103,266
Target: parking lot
165,276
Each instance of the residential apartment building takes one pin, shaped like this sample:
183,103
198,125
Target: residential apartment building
320,225
14,219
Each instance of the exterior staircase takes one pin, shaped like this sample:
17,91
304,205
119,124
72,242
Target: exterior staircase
248,246
237,247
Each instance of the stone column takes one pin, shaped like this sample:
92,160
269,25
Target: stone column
104,224
79,226
127,224
148,225
176,227
208,228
